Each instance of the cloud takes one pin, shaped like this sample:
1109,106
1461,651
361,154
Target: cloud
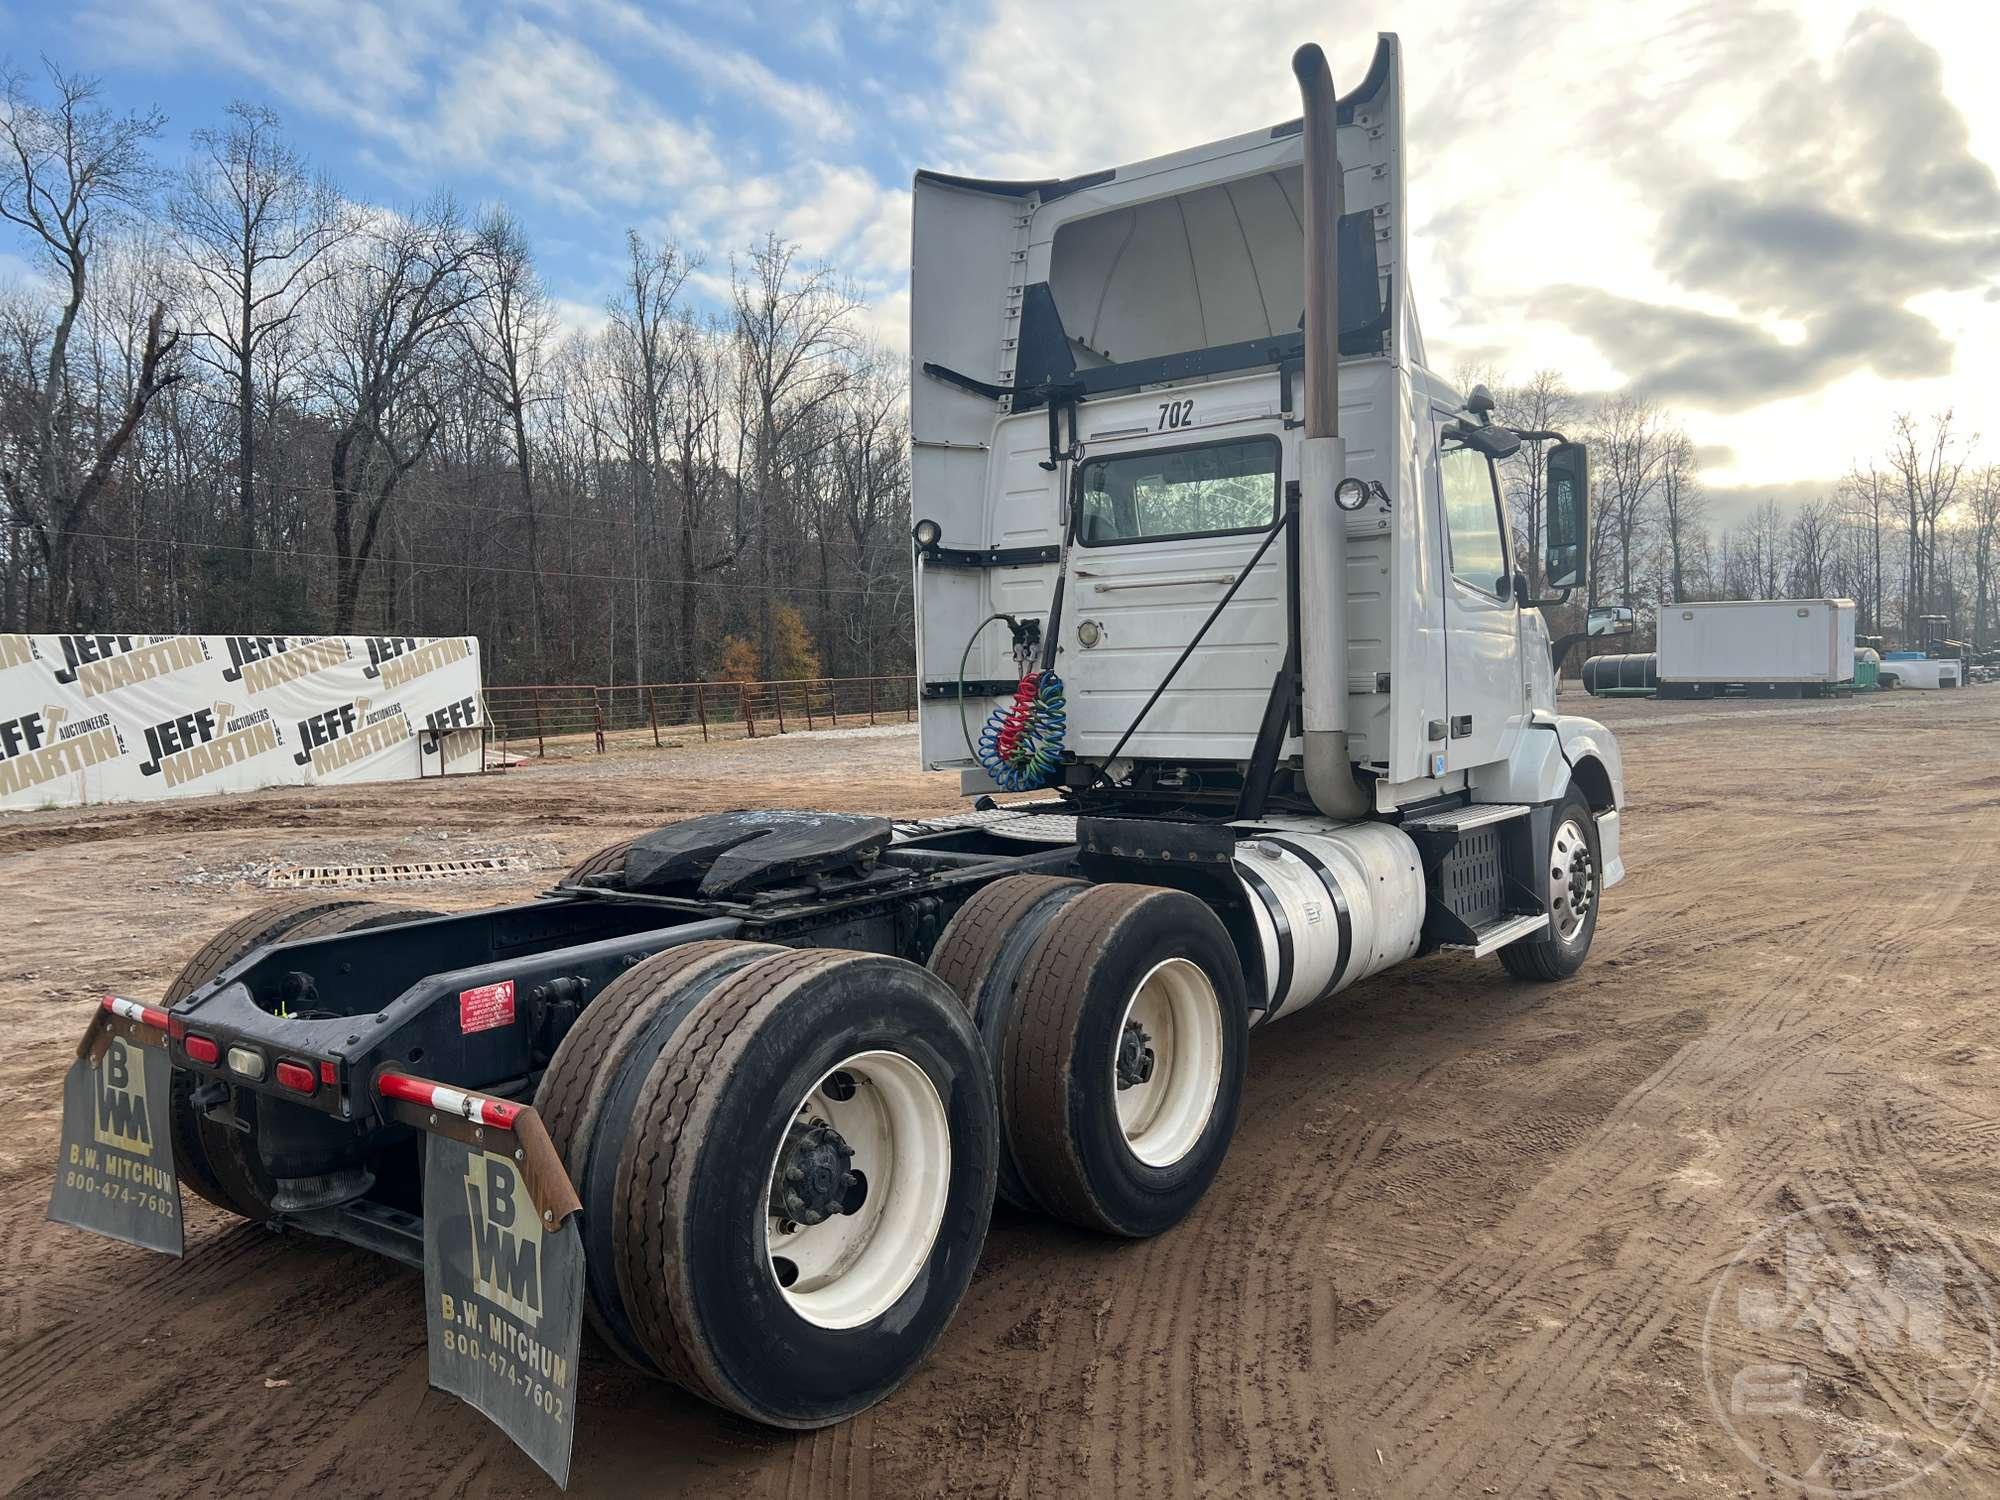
1861,193
721,69
1723,363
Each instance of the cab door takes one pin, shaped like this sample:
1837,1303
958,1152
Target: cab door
1484,695
1162,527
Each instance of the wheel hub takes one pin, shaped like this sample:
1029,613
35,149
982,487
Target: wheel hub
815,1178
1572,880
1135,1056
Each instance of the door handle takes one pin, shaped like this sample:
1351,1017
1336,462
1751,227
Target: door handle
1160,583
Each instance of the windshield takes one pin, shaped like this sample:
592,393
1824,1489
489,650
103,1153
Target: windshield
1210,490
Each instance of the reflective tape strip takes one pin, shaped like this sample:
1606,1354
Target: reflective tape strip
132,1010
476,1108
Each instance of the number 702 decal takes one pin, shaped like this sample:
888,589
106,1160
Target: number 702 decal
1175,414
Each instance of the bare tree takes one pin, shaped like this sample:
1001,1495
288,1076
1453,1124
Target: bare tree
70,168
396,310
1812,538
1766,535
512,331
1683,509
1984,506
255,228
1629,447
702,358
1928,466
1545,403
1866,497
792,330
644,316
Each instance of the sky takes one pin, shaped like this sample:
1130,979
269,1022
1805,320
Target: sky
1780,219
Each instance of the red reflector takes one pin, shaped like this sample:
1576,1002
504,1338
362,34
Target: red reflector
297,1077
202,1050
329,1073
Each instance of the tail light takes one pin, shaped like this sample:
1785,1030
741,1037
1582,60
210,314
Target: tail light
297,1077
202,1049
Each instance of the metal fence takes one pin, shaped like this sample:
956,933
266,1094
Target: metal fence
572,718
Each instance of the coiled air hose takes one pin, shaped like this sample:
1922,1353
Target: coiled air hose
1021,747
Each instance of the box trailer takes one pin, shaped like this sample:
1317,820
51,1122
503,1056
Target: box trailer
1772,647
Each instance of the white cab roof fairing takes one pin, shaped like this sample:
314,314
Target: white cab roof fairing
1198,249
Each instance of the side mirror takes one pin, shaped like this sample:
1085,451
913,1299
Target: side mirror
1496,443
1610,619
1566,527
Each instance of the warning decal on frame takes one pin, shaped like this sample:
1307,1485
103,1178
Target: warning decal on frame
486,1007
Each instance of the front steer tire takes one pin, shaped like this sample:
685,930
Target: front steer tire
1560,949
748,1076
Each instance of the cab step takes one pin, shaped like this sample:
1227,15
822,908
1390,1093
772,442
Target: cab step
1494,936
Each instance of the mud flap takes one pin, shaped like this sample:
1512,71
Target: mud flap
116,1174
503,1284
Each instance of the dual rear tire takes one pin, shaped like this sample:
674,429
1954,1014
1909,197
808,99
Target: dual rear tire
1116,1025
786,1160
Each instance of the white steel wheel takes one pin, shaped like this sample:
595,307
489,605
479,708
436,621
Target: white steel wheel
1572,880
1168,1068
858,1190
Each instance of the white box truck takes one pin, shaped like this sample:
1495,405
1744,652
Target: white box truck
1780,648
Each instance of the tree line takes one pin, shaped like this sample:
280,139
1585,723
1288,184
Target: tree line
1908,532
235,399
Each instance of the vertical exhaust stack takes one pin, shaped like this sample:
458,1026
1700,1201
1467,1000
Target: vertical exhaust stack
1322,583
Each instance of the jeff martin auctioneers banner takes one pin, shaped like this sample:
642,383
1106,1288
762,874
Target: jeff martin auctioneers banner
122,718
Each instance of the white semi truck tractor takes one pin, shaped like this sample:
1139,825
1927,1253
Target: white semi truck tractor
1213,577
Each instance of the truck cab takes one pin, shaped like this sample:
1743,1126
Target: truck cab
1106,403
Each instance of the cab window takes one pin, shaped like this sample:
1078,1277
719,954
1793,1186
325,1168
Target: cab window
1472,520
1210,490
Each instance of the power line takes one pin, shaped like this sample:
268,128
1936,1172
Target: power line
395,562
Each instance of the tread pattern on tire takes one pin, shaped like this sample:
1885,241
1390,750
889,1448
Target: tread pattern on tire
654,1173
587,1067
1040,1042
964,957
975,935
566,1085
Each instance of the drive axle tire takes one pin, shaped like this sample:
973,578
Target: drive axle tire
1123,1061
587,1095
1575,886
221,1164
806,1185
981,956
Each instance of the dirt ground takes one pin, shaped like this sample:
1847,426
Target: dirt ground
1465,1243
